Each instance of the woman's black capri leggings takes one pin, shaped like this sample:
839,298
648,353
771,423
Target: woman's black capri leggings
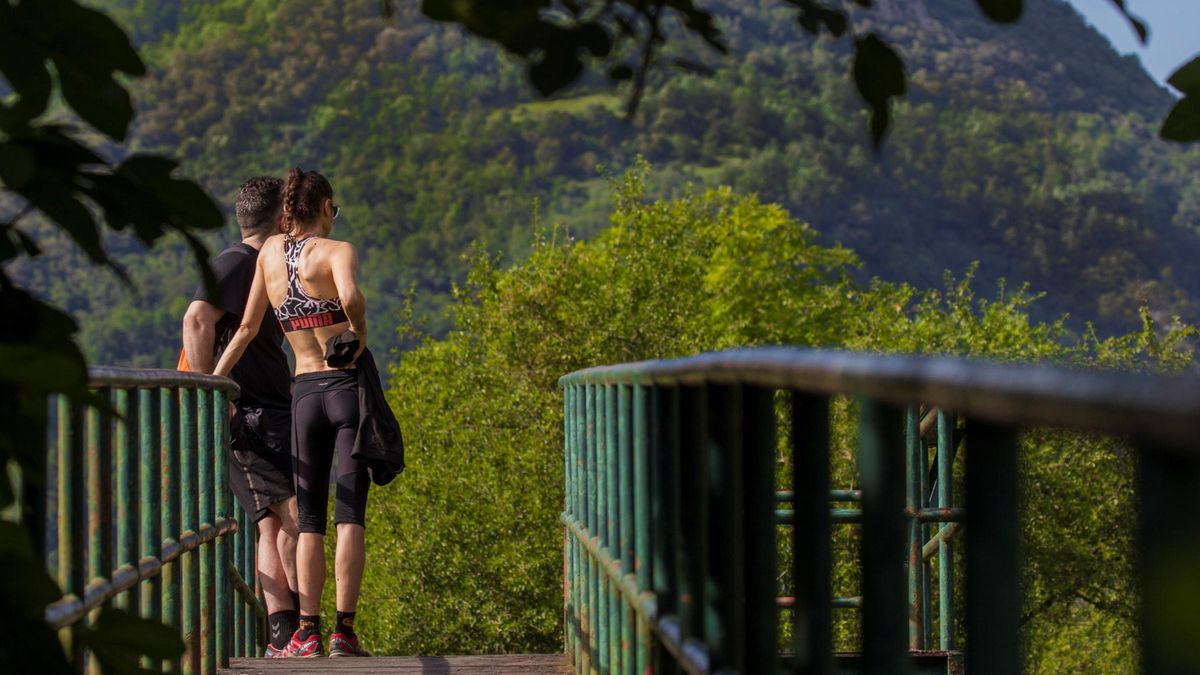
324,422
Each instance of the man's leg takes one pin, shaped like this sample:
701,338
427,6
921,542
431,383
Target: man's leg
285,511
281,610
271,572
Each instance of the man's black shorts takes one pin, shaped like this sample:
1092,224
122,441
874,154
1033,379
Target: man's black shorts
260,466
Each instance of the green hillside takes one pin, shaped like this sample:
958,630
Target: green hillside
1029,149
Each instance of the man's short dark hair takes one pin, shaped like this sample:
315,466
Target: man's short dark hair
258,205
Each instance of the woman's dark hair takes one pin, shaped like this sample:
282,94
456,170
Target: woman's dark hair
303,194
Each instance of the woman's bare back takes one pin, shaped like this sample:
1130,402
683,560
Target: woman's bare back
315,272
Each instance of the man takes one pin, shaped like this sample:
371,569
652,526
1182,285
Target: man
260,466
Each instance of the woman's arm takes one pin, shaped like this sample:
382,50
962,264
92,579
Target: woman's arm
256,304
344,265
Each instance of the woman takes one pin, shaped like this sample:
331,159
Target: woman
309,280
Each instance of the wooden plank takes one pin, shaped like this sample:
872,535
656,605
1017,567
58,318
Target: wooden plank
525,664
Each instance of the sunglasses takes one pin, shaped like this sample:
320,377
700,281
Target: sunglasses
336,210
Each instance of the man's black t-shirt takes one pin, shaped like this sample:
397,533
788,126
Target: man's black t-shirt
262,372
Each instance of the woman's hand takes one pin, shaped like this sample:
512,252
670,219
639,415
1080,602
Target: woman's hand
362,346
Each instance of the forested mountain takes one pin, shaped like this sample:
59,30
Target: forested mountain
1030,149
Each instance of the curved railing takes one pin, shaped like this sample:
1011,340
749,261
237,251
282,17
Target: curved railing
671,553
139,513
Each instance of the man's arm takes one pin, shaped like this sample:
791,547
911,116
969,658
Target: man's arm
200,334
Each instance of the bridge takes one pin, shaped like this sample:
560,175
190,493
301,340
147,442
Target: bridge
698,509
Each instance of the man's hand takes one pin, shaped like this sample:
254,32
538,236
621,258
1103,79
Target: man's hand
200,334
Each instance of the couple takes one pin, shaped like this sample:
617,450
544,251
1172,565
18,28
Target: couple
284,436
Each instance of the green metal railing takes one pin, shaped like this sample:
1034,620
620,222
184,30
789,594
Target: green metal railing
671,553
139,513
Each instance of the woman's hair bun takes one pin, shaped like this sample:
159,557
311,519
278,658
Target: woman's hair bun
303,194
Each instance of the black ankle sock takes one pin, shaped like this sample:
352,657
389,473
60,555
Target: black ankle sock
283,625
345,624
309,626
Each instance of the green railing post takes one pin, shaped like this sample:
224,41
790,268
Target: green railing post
724,580
253,626
99,503
625,529
664,472
692,542
125,439
205,497
915,566
926,567
568,632
223,508
993,599
171,523
883,534
598,424
611,525
72,513
758,624
150,511
582,563
239,635
812,633
571,582
189,521
945,489
593,439
1168,532
642,515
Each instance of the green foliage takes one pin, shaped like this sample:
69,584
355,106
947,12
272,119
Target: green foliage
49,49
1031,150
466,554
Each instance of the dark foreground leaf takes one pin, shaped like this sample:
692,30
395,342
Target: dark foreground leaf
1001,11
879,76
1138,25
1183,122
119,639
1186,78
25,590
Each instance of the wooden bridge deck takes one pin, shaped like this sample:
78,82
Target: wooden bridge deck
514,664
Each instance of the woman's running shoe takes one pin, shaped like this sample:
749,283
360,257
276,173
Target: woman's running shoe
301,649
341,644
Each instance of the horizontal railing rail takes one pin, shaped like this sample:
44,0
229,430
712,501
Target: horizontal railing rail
1153,408
138,512
672,506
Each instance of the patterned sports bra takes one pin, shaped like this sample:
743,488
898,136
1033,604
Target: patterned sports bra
300,310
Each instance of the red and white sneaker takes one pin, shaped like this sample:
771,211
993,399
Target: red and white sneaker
272,653
304,649
341,644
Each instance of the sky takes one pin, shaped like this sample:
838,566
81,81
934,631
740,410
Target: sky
1173,36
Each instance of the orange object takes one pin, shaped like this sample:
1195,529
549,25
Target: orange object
183,362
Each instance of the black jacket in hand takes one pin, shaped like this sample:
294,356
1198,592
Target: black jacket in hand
378,441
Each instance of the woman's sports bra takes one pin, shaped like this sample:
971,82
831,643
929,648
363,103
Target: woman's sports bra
300,310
